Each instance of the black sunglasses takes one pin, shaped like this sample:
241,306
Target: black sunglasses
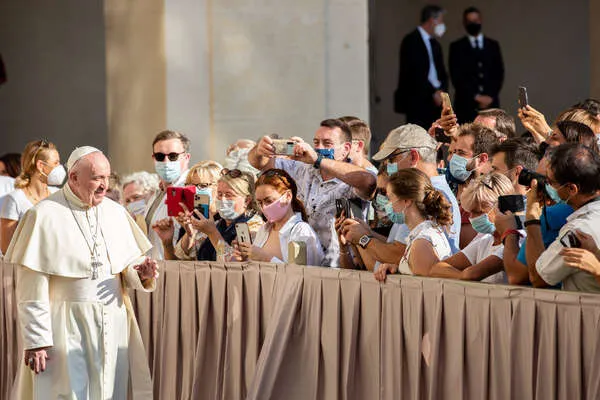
161,156
234,173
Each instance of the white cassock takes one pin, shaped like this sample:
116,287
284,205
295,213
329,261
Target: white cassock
96,351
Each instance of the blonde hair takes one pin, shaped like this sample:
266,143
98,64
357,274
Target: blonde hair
485,190
38,150
207,171
242,185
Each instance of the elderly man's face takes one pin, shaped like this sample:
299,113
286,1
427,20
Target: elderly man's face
89,179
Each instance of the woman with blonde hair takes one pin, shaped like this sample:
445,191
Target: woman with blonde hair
40,169
482,259
205,175
234,203
427,214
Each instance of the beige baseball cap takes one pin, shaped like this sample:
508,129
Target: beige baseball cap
405,137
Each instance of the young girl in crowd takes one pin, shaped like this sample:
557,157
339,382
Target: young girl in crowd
276,195
40,170
234,204
427,213
480,260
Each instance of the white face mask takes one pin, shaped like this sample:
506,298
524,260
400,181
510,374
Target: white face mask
439,30
137,207
57,176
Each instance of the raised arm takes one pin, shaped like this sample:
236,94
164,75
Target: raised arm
262,156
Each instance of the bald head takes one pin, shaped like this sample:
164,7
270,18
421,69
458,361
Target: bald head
89,177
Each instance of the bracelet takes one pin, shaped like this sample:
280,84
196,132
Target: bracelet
532,222
508,233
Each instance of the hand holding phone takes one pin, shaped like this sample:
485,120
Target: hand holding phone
284,147
446,103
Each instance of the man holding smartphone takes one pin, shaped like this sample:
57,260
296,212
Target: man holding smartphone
322,174
573,174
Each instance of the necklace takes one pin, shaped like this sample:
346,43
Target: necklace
36,199
95,258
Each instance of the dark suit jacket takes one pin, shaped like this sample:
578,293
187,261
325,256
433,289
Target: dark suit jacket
464,71
414,91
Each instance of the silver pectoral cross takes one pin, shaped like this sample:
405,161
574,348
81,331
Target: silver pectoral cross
95,265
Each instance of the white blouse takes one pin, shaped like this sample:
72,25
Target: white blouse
294,230
433,234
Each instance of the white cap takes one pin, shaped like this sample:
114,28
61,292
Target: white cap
78,154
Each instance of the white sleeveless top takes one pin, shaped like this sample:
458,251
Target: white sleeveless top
433,234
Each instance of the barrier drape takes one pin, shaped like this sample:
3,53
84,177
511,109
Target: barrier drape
264,331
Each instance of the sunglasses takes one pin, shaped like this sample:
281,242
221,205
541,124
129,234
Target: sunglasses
161,156
42,145
234,173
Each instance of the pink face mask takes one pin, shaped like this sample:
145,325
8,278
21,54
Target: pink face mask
276,210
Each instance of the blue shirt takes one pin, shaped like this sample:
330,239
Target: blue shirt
551,221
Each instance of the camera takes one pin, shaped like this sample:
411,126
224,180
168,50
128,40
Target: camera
526,176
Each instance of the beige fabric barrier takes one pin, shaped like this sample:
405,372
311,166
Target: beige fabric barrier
255,331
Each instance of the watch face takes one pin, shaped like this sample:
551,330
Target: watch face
364,240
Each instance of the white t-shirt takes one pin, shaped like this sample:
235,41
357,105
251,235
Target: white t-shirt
480,248
7,185
433,234
15,204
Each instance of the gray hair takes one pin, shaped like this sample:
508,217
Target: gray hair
147,181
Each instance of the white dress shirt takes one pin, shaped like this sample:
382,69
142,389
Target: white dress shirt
476,41
432,76
294,230
551,265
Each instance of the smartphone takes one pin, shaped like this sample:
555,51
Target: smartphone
284,147
177,195
202,204
523,99
243,233
446,103
569,239
516,205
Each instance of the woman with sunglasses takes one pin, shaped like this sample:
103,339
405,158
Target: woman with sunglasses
40,170
482,259
234,204
427,213
277,197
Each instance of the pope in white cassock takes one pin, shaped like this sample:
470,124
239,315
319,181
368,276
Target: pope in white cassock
77,253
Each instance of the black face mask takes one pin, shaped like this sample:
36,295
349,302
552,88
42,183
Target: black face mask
473,28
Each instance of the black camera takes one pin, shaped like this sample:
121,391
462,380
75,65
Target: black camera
526,176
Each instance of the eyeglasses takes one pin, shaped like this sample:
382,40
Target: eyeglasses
204,185
172,156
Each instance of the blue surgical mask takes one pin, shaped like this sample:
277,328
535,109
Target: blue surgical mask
392,168
380,202
226,209
204,191
458,168
482,224
395,217
553,194
326,153
169,171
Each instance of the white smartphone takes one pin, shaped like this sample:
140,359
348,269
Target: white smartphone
243,233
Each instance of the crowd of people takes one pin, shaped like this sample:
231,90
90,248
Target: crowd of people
431,208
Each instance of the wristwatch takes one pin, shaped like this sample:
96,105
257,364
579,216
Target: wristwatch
317,163
364,241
